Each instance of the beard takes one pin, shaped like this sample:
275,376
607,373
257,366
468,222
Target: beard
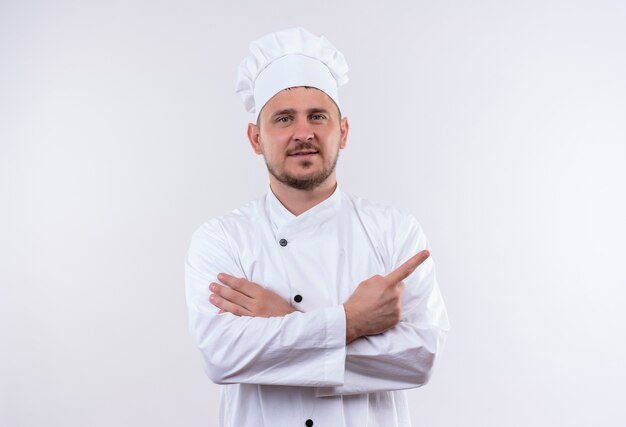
309,181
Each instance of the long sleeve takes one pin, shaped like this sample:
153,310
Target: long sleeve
301,349
402,357
292,369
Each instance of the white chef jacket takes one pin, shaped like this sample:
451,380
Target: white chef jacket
296,370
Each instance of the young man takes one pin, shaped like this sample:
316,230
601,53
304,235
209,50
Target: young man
311,306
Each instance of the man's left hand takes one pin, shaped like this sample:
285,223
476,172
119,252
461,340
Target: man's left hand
245,298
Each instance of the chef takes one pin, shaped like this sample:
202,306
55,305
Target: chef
309,306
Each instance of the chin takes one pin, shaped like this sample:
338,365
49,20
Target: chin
307,174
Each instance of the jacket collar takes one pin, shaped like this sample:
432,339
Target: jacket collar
281,217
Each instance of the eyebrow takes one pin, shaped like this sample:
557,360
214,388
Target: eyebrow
293,111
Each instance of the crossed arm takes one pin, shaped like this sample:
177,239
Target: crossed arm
260,339
373,308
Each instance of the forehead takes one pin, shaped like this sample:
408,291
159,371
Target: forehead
298,98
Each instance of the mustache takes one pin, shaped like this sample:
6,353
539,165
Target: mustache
303,146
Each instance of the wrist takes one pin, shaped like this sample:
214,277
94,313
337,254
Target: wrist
352,327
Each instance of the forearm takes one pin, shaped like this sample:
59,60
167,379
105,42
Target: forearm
301,349
402,357
297,349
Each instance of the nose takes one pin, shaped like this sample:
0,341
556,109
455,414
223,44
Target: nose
302,131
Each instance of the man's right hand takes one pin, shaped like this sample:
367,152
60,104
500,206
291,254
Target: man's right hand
375,305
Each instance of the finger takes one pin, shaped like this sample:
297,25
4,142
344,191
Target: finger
242,285
409,266
231,295
227,306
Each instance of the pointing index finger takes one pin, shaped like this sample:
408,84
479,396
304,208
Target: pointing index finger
408,267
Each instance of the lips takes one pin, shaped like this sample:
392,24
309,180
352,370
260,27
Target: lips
304,153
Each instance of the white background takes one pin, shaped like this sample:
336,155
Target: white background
501,125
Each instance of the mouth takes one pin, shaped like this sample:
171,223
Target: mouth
304,153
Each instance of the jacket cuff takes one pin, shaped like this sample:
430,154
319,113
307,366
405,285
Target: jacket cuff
335,358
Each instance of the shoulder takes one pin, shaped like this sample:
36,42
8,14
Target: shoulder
383,216
231,224
395,233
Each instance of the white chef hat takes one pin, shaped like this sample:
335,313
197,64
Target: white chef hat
289,58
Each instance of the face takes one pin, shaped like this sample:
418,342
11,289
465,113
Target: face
300,134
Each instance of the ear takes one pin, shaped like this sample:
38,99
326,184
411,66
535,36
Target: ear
344,126
253,137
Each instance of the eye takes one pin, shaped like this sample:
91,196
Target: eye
283,119
318,117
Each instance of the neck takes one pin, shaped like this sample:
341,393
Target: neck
299,201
